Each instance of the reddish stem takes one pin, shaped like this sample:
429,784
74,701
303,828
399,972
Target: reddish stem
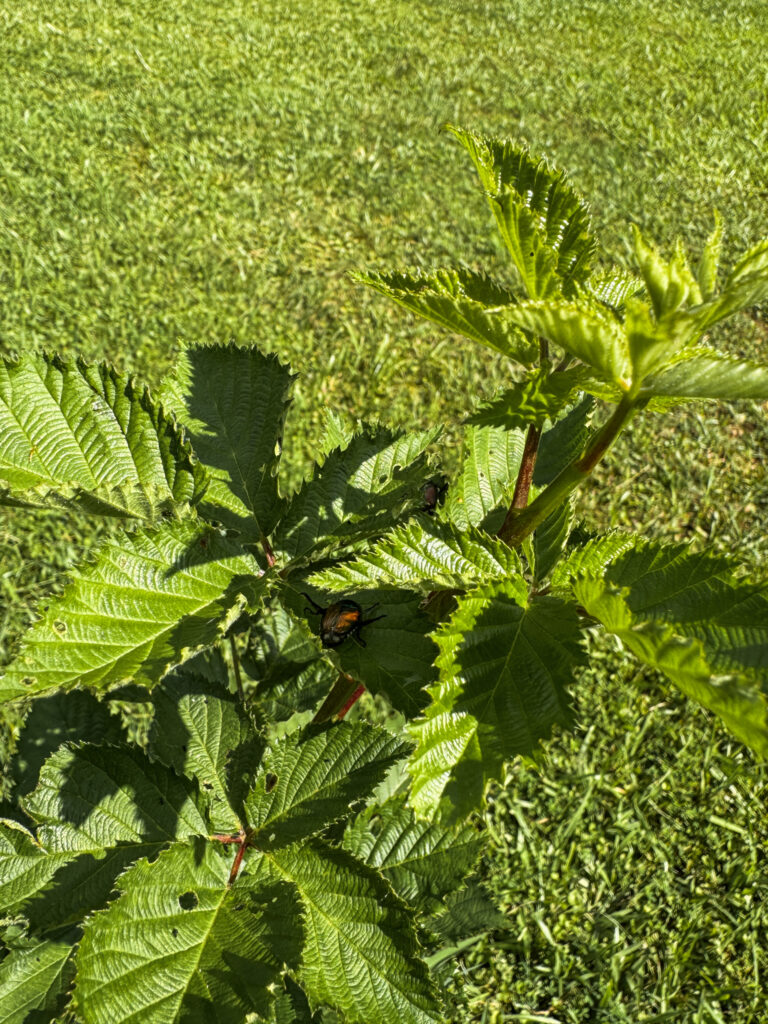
268,552
352,701
238,861
524,477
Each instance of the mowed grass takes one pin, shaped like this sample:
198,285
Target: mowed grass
207,172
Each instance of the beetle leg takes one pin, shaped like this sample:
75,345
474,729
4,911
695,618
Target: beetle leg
318,609
367,622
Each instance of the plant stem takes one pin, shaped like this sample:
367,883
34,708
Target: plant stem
268,552
521,523
237,861
352,701
524,477
341,698
236,663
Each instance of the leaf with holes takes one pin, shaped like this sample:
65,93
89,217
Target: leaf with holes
180,945
81,435
147,601
307,781
34,981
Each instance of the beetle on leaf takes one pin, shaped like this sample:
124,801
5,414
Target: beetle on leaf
339,620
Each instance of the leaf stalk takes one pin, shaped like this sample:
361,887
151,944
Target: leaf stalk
520,524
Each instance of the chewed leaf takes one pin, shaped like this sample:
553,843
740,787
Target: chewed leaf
306,782
148,599
181,944
81,435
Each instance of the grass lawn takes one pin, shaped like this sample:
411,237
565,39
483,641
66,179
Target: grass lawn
205,171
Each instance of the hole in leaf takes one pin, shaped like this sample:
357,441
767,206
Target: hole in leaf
270,782
59,626
188,900
174,932
240,906
162,802
207,785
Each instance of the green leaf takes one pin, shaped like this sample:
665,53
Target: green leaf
422,860
742,705
424,555
356,493
544,222
233,403
696,592
92,797
147,601
563,442
292,1007
284,661
80,435
25,867
338,432
32,979
52,721
306,782
551,536
360,950
706,273
397,659
707,374
101,808
461,301
592,335
541,396
180,945
469,912
613,288
504,669
652,344
670,283
753,264
593,557
197,729
491,460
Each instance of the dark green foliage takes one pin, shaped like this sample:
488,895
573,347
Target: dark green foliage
259,858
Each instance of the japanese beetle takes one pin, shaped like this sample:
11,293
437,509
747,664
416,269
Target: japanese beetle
433,493
339,620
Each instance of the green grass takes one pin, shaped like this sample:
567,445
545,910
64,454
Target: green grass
205,171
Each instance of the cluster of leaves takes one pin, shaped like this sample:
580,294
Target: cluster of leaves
259,854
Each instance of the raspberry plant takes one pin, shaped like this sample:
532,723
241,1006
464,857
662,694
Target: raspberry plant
254,853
